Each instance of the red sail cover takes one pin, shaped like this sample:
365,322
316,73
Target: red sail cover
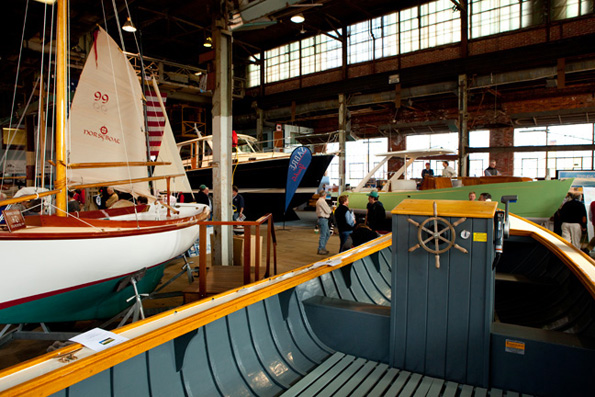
155,121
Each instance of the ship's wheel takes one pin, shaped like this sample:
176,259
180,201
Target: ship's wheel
437,232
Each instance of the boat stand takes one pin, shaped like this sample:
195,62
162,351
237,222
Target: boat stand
136,310
185,269
18,332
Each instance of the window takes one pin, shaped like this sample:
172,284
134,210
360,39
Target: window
360,159
253,72
320,53
360,42
409,26
282,62
545,164
388,43
439,24
563,9
448,141
495,16
478,162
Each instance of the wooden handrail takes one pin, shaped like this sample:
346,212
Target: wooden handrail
247,279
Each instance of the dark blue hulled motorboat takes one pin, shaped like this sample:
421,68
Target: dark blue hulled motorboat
448,305
260,176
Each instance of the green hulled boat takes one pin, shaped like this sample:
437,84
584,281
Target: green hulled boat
536,199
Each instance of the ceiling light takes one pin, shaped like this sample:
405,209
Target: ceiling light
208,42
298,18
129,26
50,2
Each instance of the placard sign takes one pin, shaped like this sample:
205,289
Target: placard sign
14,220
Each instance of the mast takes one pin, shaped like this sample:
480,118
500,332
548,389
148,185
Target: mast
61,97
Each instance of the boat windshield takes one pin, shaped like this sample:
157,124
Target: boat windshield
245,146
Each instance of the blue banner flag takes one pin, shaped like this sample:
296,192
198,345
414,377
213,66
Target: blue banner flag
298,164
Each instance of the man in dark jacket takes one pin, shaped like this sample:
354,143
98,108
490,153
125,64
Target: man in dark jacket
345,221
376,215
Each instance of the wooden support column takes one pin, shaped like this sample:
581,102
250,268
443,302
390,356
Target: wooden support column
463,128
464,27
561,75
342,141
259,126
222,148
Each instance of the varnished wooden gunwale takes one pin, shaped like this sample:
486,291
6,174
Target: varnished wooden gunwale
581,273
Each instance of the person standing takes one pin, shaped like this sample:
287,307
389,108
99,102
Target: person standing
573,216
448,171
376,215
345,221
323,213
238,205
202,197
491,170
427,171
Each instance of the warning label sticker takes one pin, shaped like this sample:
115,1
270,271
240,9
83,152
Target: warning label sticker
513,346
481,237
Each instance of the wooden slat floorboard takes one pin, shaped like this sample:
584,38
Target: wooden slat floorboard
344,375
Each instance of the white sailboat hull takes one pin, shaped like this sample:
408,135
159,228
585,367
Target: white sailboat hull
81,274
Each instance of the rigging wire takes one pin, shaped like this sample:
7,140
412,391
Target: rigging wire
40,151
16,80
47,103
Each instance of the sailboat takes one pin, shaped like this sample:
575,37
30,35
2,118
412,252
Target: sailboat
60,268
457,301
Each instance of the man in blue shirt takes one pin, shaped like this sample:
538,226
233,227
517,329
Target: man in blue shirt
238,205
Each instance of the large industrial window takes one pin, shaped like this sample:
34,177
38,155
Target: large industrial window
387,42
449,141
360,158
495,16
478,162
253,79
545,164
373,39
563,9
320,53
425,26
361,42
409,30
440,24
282,62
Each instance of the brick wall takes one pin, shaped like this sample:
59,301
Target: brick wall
503,137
